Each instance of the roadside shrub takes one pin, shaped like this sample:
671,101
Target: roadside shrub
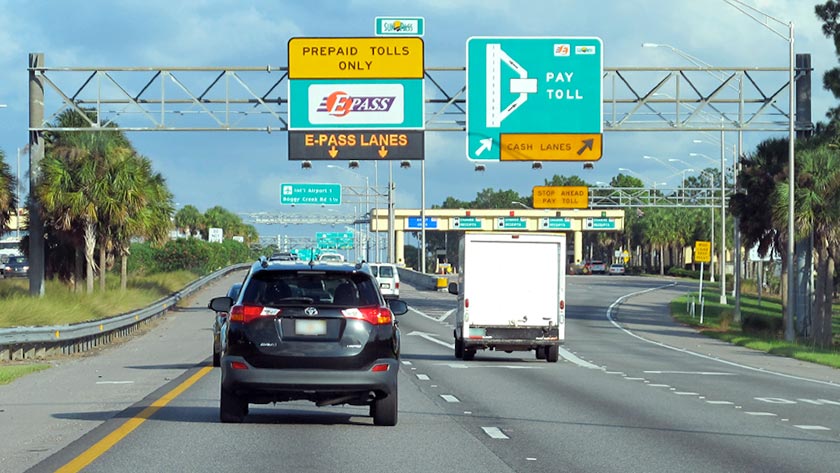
190,254
762,325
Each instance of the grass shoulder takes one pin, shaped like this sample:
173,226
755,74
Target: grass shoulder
61,305
761,328
9,373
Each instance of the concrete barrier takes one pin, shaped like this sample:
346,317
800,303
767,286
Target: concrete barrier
429,282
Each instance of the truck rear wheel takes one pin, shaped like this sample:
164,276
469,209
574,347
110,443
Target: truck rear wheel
469,354
552,353
540,353
459,348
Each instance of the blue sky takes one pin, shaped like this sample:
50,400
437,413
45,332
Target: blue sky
242,171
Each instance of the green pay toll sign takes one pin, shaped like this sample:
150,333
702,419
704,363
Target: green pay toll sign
532,85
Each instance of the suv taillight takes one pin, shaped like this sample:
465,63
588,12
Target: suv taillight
372,315
247,313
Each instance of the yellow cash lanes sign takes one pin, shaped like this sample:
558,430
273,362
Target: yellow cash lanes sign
356,58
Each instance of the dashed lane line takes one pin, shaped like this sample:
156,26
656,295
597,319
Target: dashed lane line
495,433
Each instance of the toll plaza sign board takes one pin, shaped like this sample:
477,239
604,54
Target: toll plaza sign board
361,95
534,98
382,145
561,197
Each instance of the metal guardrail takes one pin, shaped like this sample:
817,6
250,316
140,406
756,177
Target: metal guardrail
23,343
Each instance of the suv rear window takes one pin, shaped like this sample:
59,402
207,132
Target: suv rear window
287,287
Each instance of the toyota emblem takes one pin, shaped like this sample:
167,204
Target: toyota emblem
310,311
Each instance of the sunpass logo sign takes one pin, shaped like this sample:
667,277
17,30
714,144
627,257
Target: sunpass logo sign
374,104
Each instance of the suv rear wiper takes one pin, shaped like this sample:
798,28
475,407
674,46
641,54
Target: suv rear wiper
306,300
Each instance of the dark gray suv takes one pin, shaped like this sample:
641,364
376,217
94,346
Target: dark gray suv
310,331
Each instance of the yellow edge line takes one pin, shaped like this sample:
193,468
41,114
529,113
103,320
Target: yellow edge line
96,450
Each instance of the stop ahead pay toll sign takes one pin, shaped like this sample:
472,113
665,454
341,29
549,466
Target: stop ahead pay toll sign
702,251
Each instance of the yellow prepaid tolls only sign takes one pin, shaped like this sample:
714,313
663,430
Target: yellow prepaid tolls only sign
561,197
356,58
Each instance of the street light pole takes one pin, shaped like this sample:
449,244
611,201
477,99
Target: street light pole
722,218
423,216
790,38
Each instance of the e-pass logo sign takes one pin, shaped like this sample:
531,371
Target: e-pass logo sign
375,104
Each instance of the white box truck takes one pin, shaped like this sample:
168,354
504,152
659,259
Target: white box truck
511,293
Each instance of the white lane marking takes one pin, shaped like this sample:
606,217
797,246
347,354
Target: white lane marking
727,403
440,318
819,402
766,414
115,382
574,359
701,373
531,459
634,379
468,413
494,432
445,315
431,337
685,393
422,377
479,365
659,385
811,427
689,352
614,372
406,362
449,398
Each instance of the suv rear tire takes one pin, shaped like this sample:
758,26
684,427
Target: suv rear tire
232,409
384,410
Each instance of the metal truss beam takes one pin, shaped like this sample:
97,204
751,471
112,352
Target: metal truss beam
255,98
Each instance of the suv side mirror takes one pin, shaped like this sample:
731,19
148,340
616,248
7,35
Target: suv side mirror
220,304
397,306
453,288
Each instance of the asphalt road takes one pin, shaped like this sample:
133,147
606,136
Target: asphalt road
633,392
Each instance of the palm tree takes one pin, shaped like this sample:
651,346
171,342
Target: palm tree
817,212
74,187
8,200
189,220
147,211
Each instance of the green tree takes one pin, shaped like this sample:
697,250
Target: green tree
8,200
74,187
817,213
829,13
147,209
189,220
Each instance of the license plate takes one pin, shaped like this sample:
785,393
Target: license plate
310,327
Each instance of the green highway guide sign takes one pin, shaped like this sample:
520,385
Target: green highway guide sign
534,98
555,223
310,194
511,223
465,223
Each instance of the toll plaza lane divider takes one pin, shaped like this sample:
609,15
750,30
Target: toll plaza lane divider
24,343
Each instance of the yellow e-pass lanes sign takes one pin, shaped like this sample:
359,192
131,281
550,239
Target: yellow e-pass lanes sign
702,251
561,197
356,58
